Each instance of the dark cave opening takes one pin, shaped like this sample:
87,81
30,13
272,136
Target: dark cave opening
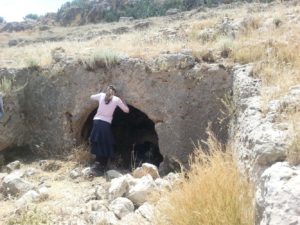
135,135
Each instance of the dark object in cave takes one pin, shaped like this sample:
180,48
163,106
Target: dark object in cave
146,153
135,135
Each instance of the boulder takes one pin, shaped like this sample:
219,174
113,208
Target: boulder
147,211
13,166
163,184
75,173
105,218
121,207
28,197
14,185
87,172
140,192
43,193
13,42
100,193
146,168
119,186
278,195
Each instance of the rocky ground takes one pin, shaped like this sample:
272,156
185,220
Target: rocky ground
64,194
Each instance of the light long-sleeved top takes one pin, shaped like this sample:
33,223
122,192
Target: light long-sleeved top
1,107
105,111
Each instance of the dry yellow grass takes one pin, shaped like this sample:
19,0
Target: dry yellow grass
213,192
81,155
273,49
293,152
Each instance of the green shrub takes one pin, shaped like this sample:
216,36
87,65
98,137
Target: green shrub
143,9
111,16
2,20
31,16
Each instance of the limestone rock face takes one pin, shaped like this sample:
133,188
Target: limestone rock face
278,195
179,116
260,142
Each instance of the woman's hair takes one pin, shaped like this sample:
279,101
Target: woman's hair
110,92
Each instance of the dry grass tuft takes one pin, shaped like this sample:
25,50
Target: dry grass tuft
213,192
105,58
32,217
81,155
6,86
293,152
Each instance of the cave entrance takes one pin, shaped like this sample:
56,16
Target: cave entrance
135,135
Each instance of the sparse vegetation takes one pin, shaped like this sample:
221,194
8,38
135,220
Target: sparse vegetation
6,86
2,20
81,155
229,108
213,192
32,63
32,217
102,59
31,16
293,152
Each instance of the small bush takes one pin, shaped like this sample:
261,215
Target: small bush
213,192
226,45
31,16
32,64
2,20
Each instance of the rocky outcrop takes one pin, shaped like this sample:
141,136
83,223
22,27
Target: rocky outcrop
17,26
278,195
179,115
261,141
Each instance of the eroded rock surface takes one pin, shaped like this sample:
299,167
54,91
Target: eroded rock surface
172,91
262,138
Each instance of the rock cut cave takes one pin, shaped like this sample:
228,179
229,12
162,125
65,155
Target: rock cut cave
135,136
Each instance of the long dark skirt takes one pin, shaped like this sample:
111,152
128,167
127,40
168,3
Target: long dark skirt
102,139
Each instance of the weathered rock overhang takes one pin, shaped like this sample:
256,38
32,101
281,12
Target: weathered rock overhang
181,96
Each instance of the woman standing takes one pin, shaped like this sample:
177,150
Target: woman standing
101,138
